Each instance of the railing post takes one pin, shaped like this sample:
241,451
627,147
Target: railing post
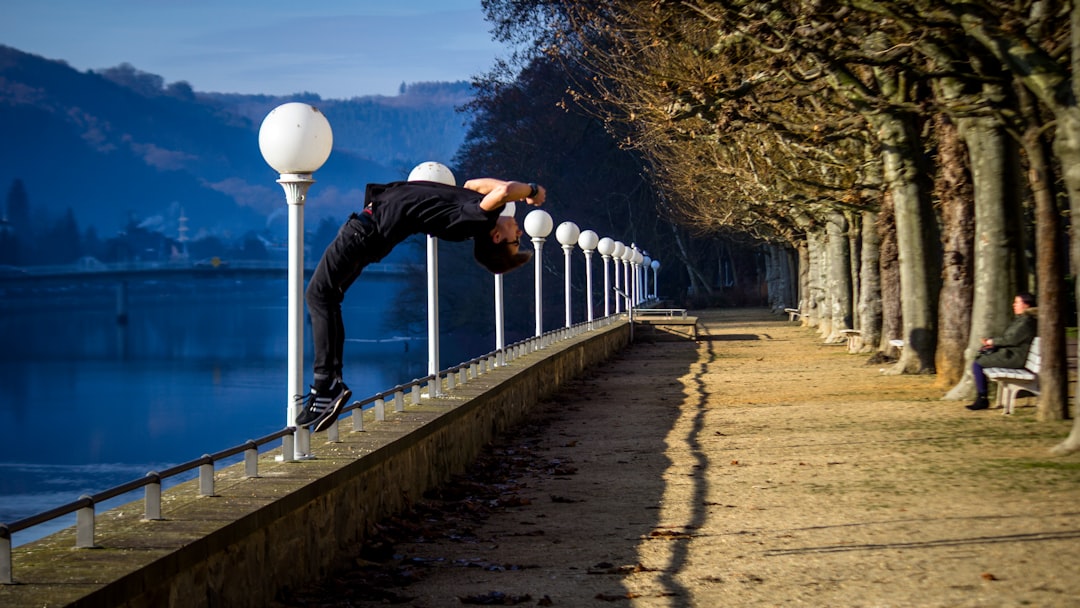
84,524
206,476
450,381
358,419
251,460
152,498
333,434
415,393
380,409
5,556
399,401
288,447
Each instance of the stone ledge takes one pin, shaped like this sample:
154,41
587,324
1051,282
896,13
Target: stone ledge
296,521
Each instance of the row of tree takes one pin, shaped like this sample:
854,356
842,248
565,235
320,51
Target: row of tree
917,157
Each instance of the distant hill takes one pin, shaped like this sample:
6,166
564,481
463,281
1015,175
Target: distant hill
120,144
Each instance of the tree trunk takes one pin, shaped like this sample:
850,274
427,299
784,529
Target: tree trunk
815,294
870,298
1067,150
954,193
1053,373
855,268
917,243
838,285
780,278
804,280
995,276
791,272
892,317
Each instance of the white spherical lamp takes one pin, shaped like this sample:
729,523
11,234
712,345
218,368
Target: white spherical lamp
538,223
567,234
295,138
606,246
588,240
431,171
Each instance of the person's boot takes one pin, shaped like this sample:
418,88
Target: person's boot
981,403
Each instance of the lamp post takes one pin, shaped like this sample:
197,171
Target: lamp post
638,291
606,247
617,255
500,314
433,172
635,273
588,240
538,225
655,279
295,139
645,275
567,234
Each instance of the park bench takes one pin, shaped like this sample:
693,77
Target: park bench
1010,382
853,337
671,320
794,313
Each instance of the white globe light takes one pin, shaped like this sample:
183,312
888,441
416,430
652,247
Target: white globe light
638,257
656,264
567,233
538,223
620,249
431,171
295,138
647,261
588,240
606,246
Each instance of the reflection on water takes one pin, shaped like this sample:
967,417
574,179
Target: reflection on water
89,403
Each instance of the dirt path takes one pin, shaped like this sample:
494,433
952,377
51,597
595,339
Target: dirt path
756,467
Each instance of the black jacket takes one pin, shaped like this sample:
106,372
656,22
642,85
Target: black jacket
1011,349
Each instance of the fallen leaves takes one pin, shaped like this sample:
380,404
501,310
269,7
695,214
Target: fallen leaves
615,597
495,598
607,568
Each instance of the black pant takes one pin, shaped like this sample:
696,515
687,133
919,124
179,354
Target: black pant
357,244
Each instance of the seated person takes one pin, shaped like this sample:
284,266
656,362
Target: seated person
1010,350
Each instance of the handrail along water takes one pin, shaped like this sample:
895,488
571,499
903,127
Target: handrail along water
83,507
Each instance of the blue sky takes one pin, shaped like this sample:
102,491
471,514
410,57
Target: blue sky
336,48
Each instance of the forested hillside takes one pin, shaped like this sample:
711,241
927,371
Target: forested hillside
99,153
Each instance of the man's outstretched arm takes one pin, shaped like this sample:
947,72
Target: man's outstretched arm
498,192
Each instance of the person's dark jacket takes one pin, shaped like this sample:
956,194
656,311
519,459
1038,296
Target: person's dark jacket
1011,349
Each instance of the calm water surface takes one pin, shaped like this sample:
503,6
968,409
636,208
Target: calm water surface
89,403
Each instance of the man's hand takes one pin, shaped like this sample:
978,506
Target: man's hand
536,201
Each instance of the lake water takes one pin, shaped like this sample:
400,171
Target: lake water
88,403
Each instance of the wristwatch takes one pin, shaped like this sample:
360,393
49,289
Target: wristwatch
534,189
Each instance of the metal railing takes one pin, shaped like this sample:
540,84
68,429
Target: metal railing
448,379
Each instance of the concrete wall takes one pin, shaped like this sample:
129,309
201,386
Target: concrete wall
297,521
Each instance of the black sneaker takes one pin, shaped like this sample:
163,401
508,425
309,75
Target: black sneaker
321,407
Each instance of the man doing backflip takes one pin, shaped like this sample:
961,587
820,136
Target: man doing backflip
392,212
